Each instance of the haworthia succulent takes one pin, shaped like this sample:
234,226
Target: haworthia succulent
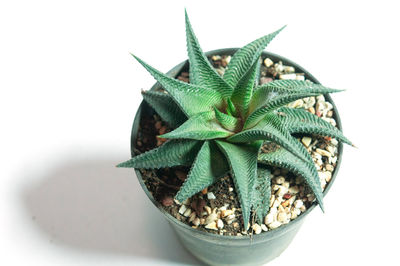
220,124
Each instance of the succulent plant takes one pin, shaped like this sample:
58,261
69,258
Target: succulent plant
221,122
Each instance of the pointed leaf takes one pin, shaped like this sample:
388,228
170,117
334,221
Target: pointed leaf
171,153
165,107
245,57
209,165
227,121
301,121
288,91
262,193
231,109
271,129
282,158
201,71
201,127
192,99
264,94
243,163
244,89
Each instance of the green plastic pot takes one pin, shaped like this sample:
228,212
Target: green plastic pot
215,249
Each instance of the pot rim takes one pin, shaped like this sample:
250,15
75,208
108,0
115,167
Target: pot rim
270,234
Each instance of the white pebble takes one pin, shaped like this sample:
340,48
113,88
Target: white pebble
334,142
274,225
287,76
187,212
269,219
268,62
182,209
288,69
329,167
282,217
257,228
220,224
296,104
330,149
306,141
211,196
323,152
298,203
278,67
212,225
208,209
211,218
320,98
328,176
225,213
196,221
264,227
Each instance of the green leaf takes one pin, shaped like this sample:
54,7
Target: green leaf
245,57
201,127
171,153
282,158
243,163
288,91
231,109
262,193
244,89
165,107
192,99
270,128
264,94
301,121
209,165
227,121
201,71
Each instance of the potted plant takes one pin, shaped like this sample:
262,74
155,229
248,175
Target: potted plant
270,136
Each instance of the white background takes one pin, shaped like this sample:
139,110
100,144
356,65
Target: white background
70,89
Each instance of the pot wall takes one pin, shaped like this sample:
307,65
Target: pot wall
232,250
